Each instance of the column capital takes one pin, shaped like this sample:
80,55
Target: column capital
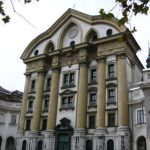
121,55
27,74
83,64
101,59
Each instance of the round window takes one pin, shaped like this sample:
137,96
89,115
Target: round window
109,32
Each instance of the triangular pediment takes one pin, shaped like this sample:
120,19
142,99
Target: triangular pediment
67,92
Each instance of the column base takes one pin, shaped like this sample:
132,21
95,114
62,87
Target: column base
123,138
49,140
78,140
99,139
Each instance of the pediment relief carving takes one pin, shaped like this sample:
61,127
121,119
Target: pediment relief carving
92,89
111,85
67,92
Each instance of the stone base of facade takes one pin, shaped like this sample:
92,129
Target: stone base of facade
49,140
78,140
123,141
121,138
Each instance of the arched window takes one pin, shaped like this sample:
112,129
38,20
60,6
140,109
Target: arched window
89,145
40,145
10,144
110,145
0,142
49,47
24,145
141,143
92,36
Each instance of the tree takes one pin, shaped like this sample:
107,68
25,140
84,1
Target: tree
5,17
128,9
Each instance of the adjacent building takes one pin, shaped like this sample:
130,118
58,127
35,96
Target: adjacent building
10,104
81,80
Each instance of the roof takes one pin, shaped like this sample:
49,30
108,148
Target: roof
10,95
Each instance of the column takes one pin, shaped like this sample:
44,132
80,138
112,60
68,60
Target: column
101,95
24,103
82,97
122,91
52,111
99,137
123,132
79,138
38,102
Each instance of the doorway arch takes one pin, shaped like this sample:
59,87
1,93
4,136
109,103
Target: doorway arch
110,145
10,144
141,143
24,145
0,142
89,145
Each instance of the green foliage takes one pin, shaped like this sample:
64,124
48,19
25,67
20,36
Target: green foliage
128,8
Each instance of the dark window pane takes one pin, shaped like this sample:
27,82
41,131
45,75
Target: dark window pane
111,119
92,122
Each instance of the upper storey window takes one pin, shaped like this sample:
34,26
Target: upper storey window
111,71
68,80
36,52
33,82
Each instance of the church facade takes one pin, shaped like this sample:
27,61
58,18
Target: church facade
76,94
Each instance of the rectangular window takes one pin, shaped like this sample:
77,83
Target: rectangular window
44,124
111,96
48,84
67,102
28,124
32,85
92,122
111,71
92,99
69,79
93,75
13,120
111,119
46,104
70,102
140,116
30,105
64,102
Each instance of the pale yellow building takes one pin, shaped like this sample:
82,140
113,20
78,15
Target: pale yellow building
76,90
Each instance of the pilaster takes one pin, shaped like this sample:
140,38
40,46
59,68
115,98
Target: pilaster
24,103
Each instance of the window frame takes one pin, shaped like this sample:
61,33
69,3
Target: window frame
68,79
109,120
92,123
92,102
140,117
67,105
93,75
44,126
28,126
33,85
111,73
111,99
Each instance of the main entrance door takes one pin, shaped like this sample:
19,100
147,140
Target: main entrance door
63,133
63,142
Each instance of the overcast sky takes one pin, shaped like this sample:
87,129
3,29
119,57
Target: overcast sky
16,35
